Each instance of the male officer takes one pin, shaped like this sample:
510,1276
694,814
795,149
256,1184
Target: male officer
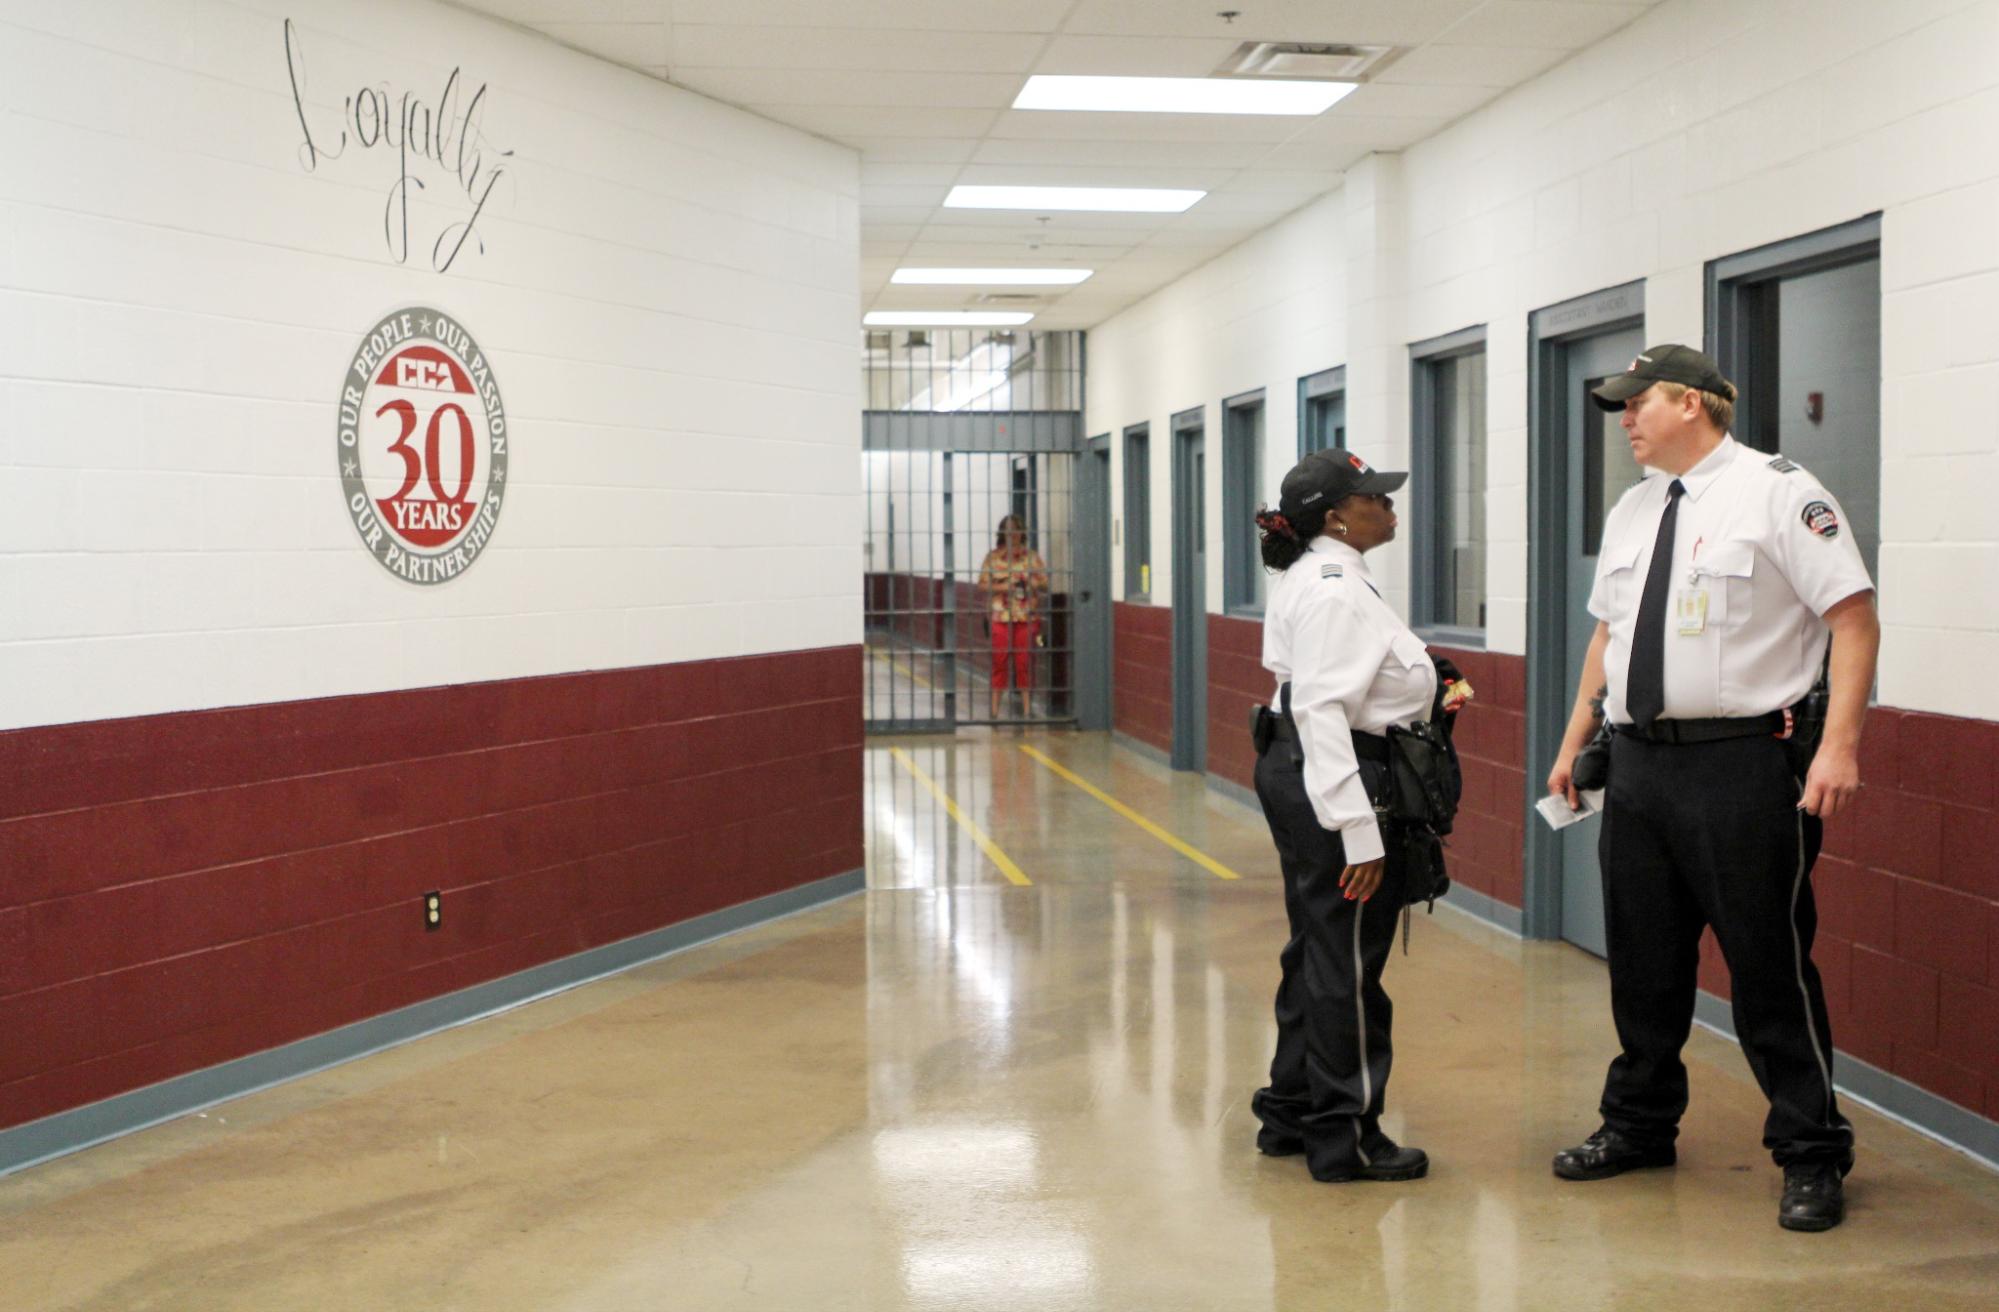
1722,578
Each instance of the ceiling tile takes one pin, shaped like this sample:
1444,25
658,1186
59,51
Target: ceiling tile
1093,175
1134,154
842,122
1485,66
846,48
909,15
1047,125
885,173
1369,22
1561,24
922,89
915,150
1396,100
820,87
1128,56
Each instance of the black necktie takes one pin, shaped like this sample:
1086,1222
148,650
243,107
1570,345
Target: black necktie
1645,685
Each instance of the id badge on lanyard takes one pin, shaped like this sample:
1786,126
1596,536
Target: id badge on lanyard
1693,606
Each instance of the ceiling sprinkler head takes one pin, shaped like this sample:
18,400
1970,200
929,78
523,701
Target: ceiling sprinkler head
1228,15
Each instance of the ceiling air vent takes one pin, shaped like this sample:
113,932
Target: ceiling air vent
1008,298
1306,61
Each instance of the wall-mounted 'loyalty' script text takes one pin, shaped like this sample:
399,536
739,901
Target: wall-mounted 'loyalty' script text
411,136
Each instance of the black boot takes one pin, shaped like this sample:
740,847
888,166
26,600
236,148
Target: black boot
1607,1153
1384,1160
1814,1196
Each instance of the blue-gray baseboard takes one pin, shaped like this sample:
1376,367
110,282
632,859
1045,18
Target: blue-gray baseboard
1235,792
1891,1095
1489,909
66,1132
1145,749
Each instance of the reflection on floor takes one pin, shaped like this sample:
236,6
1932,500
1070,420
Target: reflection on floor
957,1092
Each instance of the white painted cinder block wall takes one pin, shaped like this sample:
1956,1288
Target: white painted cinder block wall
1705,128
667,291
1261,315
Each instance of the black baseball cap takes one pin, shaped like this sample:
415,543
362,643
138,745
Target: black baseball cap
1324,477
1670,363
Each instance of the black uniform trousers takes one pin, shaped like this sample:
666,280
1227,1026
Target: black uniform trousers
1331,1066
1703,834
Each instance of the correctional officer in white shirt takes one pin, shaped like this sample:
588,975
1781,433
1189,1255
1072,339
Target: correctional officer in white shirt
1347,668
1723,576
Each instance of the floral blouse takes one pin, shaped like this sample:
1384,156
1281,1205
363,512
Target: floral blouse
1012,582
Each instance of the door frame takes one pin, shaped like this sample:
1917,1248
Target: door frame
1550,332
1190,611
1092,577
1735,306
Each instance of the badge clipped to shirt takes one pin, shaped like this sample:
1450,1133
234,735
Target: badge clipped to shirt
1693,608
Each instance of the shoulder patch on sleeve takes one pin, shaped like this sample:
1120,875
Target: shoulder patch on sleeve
1332,570
1820,519
1783,466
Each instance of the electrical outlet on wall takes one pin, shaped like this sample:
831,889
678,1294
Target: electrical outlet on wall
433,911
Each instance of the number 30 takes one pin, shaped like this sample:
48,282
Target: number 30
414,466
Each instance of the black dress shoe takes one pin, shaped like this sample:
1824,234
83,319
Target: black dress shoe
1272,1144
1607,1153
1388,1162
1814,1196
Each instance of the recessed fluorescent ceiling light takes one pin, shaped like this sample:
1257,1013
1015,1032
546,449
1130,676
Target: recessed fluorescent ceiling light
993,277
1145,200
945,318
1181,95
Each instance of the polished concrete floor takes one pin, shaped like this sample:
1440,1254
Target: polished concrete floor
962,1091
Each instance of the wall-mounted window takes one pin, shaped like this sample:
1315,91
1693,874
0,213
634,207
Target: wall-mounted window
1447,458
1138,513
1322,410
1242,479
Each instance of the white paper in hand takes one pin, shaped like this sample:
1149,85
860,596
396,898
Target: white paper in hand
1555,809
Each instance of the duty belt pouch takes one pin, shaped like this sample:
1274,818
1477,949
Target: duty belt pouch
1591,769
1262,726
1808,721
1423,786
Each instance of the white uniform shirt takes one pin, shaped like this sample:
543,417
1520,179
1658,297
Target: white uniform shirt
1353,665
1772,551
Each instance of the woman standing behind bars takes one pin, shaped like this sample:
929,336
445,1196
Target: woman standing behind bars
1013,578
1347,668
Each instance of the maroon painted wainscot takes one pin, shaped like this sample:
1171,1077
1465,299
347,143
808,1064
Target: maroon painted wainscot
180,890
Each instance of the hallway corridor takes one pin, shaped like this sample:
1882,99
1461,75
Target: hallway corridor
1012,1075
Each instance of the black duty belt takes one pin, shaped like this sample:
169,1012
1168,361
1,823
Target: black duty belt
1776,725
1366,746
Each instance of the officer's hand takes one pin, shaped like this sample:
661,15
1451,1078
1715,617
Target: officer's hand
1561,779
1361,881
1831,783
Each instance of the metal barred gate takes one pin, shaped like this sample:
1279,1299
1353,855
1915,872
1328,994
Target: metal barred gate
963,430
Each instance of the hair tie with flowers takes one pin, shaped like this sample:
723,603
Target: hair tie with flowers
1271,521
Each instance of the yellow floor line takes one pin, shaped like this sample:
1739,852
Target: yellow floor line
986,845
1173,841
904,668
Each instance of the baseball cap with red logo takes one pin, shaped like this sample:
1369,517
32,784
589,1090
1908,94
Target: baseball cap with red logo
1670,363
1324,478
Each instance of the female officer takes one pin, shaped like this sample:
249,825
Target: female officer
1347,669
